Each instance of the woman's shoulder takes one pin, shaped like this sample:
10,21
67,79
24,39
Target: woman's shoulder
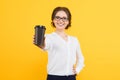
73,38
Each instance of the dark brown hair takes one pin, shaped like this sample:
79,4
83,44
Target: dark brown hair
66,10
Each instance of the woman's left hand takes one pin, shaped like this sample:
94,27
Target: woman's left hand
74,70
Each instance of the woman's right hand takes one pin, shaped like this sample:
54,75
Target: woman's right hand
42,47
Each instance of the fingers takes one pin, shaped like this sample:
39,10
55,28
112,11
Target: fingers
74,70
40,46
33,39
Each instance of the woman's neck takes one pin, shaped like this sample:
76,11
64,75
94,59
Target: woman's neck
60,32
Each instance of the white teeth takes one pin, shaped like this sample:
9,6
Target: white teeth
60,24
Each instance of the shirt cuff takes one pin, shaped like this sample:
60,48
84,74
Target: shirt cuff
78,69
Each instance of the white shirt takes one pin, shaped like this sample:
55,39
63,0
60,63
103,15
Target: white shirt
62,55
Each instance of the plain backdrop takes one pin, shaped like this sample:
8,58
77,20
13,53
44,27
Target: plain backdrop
96,24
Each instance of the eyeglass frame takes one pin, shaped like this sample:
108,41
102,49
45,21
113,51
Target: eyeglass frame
58,18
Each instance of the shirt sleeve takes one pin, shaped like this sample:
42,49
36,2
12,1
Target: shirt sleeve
80,58
47,43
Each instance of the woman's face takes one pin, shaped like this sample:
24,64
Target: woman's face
61,20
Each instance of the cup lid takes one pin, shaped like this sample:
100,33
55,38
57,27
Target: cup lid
40,26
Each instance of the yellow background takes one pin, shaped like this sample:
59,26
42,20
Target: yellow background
96,23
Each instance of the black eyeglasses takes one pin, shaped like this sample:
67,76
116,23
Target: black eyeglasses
58,18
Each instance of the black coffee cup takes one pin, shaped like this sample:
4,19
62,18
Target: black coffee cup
39,35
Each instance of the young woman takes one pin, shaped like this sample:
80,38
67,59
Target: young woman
63,50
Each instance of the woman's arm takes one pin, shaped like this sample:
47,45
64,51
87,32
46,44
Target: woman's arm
47,43
80,59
